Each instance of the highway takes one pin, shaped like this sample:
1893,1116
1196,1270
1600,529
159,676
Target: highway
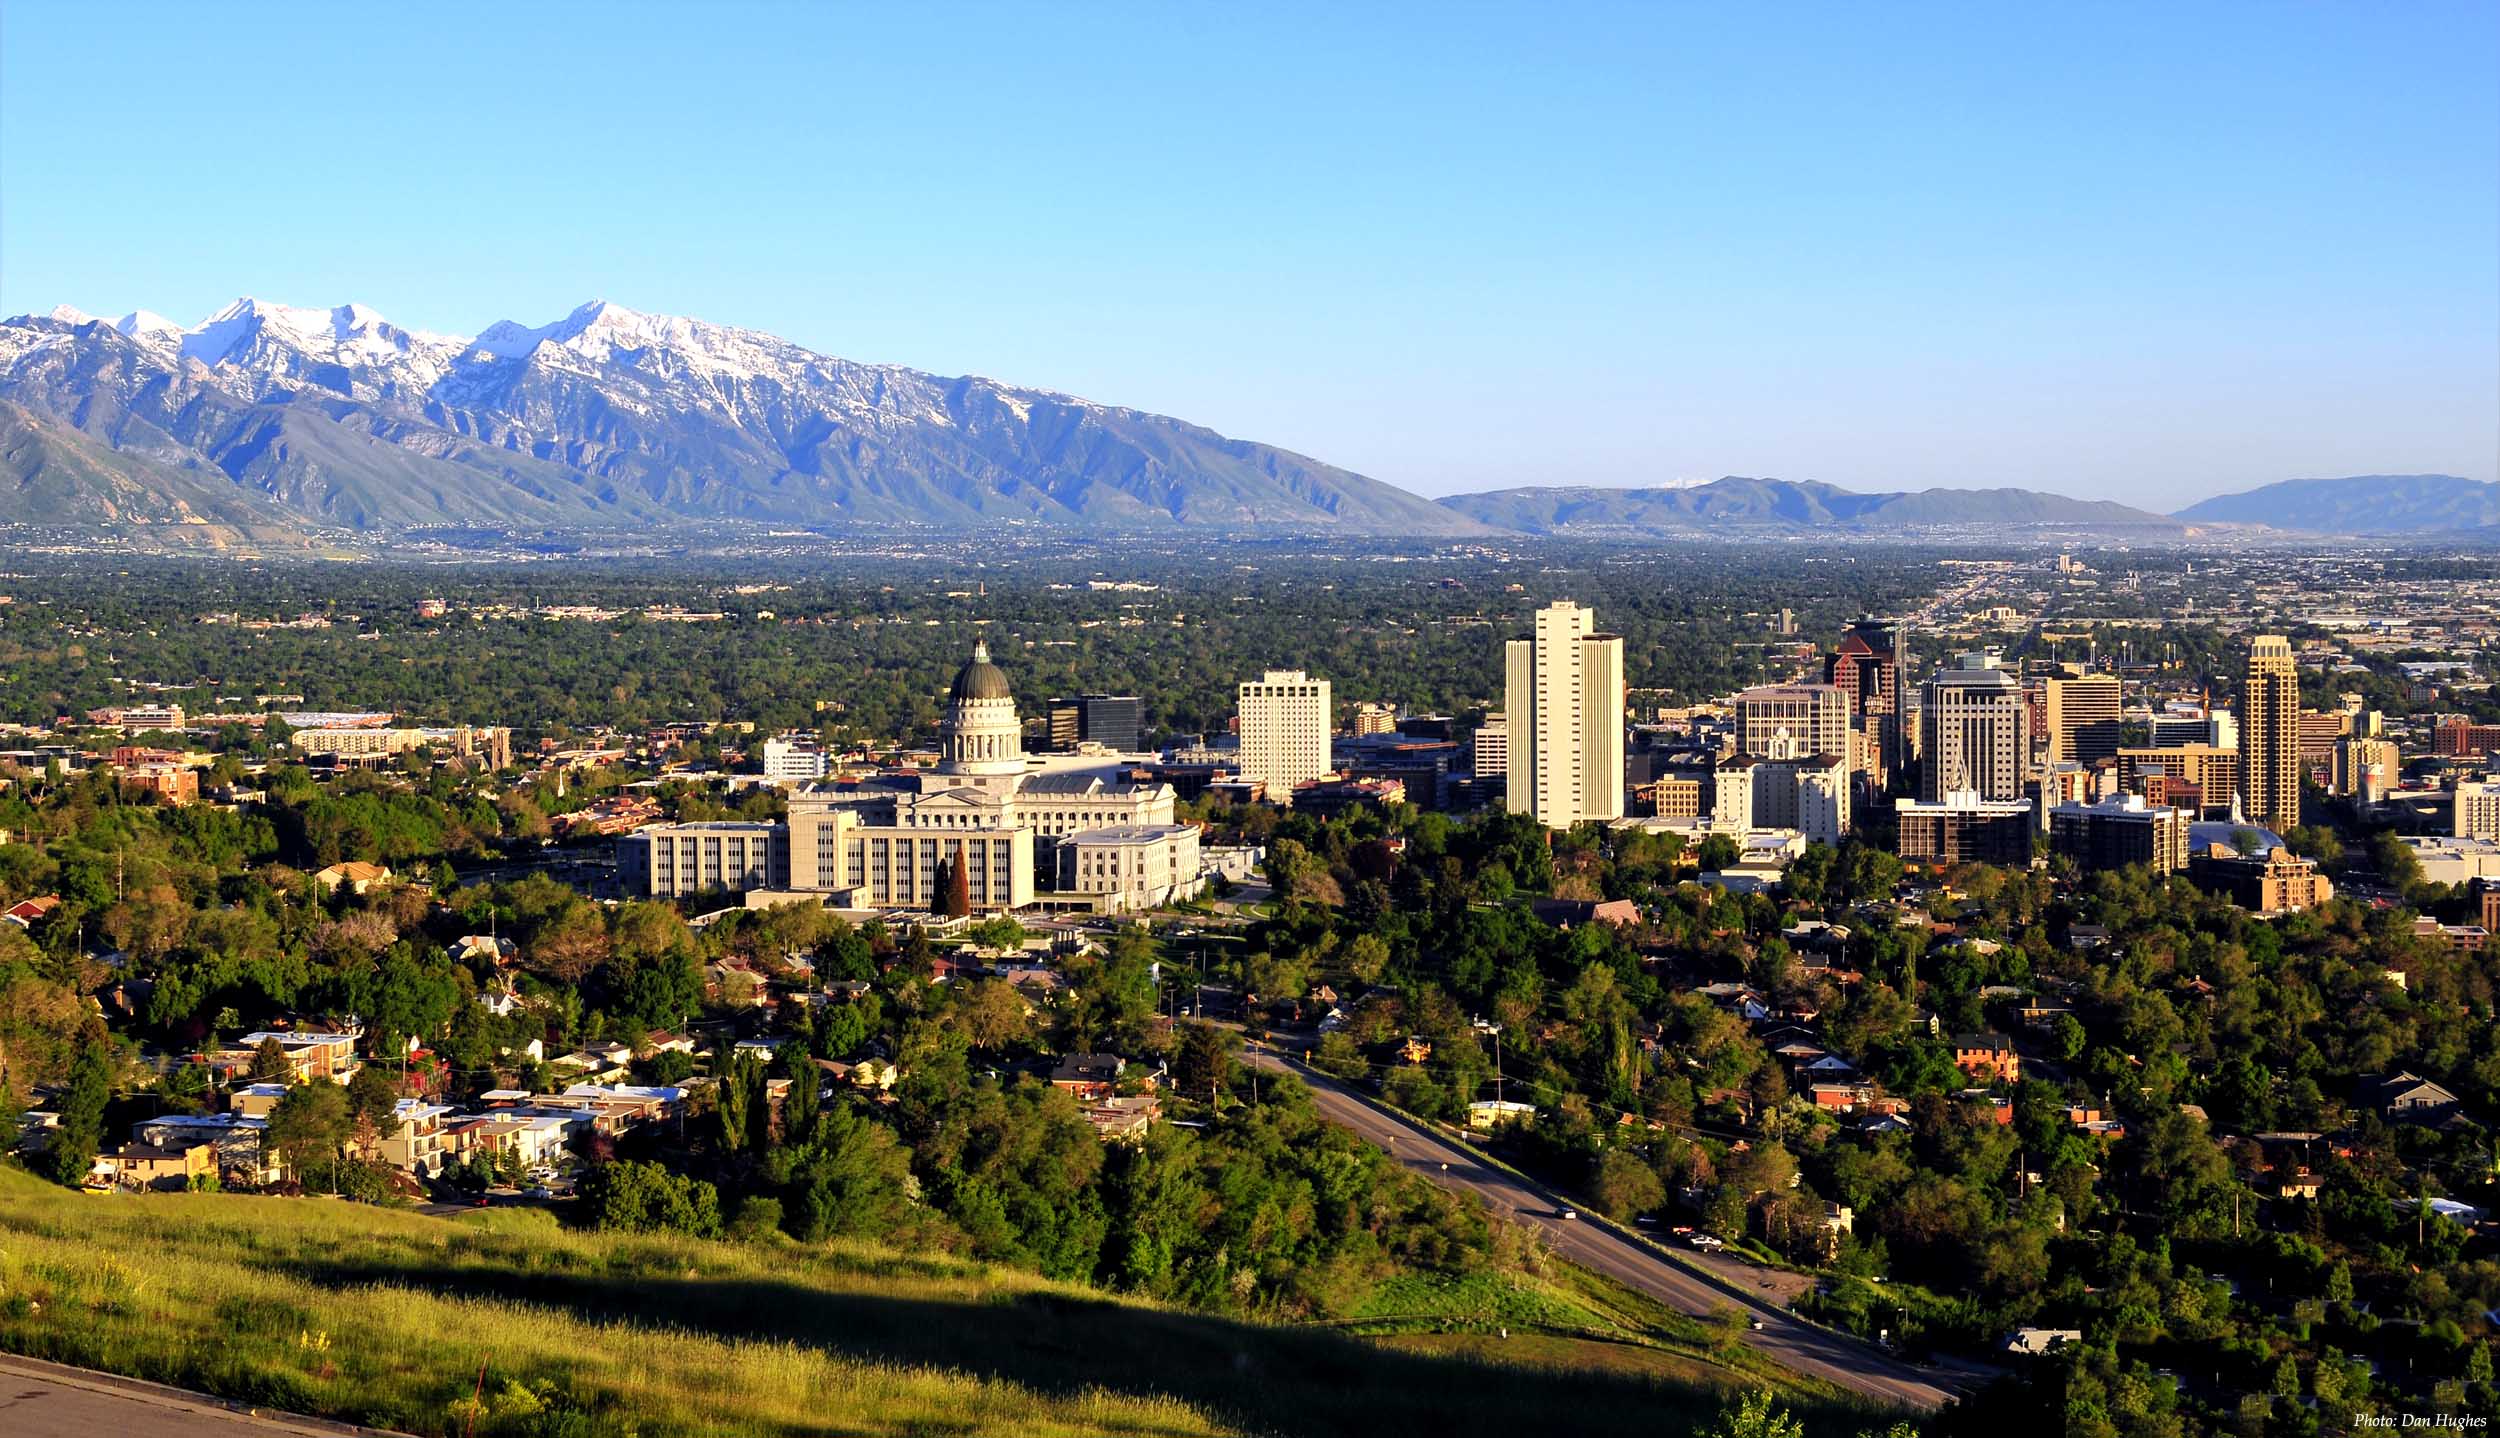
1847,1362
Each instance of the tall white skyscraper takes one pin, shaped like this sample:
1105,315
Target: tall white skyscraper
1564,701
1285,716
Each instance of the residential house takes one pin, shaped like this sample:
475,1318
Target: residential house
358,876
152,1166
2409,1098
1090,1077
1988,1057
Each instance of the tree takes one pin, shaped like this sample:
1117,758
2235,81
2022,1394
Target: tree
647,1198
954,887
744,1115
1204,1065
1754,1417
1716,853
372,1097
1625,1186
852,1181
81,1132
800,1108
308,1128
270,1064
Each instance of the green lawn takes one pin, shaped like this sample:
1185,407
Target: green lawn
386,1317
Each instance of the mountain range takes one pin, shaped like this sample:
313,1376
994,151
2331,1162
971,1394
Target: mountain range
269,424
1737,504
605,418
2360,504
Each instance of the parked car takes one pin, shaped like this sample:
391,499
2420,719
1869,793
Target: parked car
1566,1214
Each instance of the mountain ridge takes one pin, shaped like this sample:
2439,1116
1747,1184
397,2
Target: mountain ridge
611,417
2358,504
1743,504
268,418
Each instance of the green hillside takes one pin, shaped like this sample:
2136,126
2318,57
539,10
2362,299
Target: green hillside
386,1317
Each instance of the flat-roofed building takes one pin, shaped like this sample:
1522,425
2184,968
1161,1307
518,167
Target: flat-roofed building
2477,812
794,761
1286,718
2270,732
1792,721
2199,777
2274,881
673,861
364,747
2117,832
1131,867
1563,689
2082,717
2364,768
1809,794
1489,750
1974,732
1963,828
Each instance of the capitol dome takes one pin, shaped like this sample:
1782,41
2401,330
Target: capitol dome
980,734
979,679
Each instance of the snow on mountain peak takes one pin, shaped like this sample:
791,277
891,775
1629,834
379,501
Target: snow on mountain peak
71,315
146,324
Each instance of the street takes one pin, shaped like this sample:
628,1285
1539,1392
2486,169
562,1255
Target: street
1794,1343
49,1400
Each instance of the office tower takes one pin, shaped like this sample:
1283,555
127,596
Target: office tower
1065,725
1793,721
2478,810
2364,768
1492,747
1285,719
1565,701
2175,731
1731,795
1974,731
2196,777
1867,667
2117,832
1964,829
1810,794
1110,720
2270,733
2082,717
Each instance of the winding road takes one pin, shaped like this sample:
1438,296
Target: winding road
1802,1347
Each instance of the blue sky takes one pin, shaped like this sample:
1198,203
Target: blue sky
2139,252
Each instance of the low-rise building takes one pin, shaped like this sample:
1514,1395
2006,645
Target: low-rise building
1987,1056
2273,881
1130,866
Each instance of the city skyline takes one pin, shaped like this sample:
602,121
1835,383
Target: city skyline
1626,250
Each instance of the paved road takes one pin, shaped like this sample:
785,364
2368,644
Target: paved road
47,1400
1795,1344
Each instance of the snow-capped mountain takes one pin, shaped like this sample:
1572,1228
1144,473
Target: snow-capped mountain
611,417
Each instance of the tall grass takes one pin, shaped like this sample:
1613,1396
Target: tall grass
398,1319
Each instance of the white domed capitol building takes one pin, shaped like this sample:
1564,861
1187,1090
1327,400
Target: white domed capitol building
1024,836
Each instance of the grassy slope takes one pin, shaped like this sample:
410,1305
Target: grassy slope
385,1317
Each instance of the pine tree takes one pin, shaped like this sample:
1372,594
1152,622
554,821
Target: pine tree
798,1111
81,1132
270,1063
